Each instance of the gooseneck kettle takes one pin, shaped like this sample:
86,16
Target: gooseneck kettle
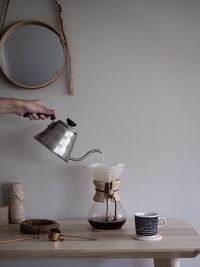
59,137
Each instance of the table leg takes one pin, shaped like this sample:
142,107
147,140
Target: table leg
167,262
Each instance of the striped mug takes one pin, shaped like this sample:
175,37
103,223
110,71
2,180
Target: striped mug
147,223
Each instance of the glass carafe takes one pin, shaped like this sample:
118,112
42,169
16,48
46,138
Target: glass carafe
106,212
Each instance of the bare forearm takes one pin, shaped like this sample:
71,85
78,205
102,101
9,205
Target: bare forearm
9,105
21,106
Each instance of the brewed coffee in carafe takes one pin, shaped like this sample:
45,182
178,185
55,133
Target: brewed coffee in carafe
106,212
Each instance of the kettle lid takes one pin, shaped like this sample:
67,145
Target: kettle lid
70,124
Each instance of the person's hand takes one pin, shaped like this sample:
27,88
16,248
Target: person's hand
36,109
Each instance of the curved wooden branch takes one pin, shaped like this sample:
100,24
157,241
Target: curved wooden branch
68,55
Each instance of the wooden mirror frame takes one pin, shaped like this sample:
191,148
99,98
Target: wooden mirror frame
20,24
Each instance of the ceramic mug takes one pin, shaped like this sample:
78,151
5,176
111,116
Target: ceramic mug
147,223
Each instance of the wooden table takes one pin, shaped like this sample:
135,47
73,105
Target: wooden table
179,240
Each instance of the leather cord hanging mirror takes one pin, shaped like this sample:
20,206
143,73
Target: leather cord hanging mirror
33,54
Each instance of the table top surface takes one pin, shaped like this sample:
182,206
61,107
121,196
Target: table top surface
179,240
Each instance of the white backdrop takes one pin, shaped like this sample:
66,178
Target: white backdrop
136,68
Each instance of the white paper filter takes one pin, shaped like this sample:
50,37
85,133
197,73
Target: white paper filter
106,173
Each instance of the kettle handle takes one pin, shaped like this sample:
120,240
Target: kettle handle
52,117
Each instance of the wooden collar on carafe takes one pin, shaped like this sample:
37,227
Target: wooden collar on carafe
106,190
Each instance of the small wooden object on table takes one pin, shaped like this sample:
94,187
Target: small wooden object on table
3,215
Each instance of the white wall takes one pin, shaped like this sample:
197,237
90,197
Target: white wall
136,67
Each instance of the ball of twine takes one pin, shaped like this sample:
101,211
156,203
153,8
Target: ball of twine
38,226
16,203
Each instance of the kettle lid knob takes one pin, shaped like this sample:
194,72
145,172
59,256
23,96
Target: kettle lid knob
71,123
53,117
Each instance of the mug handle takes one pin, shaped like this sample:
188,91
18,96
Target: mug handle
162,221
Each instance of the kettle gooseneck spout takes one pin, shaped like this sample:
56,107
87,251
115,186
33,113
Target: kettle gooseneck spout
86,155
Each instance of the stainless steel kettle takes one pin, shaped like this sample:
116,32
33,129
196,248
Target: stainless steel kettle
60,137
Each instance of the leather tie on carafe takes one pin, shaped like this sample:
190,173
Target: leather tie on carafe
106,191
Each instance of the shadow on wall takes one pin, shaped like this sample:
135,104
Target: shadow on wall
79,191
19,141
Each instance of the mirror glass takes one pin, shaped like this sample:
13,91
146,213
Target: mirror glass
32,54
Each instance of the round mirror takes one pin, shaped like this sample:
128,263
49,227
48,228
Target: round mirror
32,54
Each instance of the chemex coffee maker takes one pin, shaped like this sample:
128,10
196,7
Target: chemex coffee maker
106,212
59,137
